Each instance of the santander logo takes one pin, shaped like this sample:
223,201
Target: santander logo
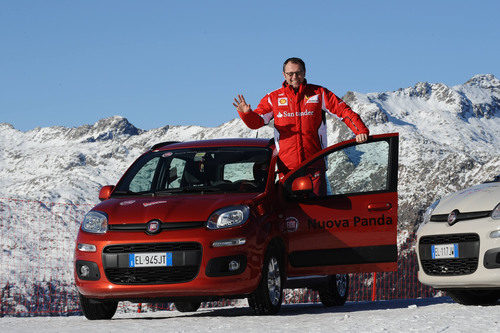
296,114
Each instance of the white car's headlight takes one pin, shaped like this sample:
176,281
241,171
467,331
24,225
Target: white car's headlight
228,217
95,222
428,212
495,214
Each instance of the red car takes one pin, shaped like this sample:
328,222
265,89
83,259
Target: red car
198,221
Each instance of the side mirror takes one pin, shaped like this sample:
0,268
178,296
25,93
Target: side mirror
302,185
105,192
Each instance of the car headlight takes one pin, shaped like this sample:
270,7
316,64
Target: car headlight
95,222
430,209
495,214
228,217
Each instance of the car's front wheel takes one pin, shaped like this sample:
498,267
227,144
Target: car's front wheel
95,309
474,297
335,291
268,296
187,306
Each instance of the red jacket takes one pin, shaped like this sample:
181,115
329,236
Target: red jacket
299,120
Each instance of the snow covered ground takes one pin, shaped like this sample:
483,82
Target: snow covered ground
415,315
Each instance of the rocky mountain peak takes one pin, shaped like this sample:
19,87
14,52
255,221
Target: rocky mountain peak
104,129
6,126
485,81
116,125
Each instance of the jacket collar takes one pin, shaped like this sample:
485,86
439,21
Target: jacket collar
286,86
290,89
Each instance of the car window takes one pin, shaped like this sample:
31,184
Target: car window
360,168
142,181
357,168
238,171
176,169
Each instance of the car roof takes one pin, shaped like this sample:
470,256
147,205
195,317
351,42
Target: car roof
238,142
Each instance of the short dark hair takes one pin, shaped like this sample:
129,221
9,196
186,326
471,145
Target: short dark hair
297,61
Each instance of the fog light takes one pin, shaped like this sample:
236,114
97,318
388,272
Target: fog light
229,242
234,265
84,271
495,234
87,270
86,247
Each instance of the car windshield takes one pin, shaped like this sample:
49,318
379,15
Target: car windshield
204,170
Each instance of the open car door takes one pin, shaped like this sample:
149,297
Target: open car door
341,209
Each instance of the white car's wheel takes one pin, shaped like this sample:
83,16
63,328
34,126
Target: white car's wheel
474,297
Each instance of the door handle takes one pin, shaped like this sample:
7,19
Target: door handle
378,206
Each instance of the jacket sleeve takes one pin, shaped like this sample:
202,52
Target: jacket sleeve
259,117
336,106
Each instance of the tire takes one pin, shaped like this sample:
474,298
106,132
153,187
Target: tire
474,297
187,306
267,298
336,290
96,309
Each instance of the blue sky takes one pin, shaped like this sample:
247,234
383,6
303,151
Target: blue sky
160,63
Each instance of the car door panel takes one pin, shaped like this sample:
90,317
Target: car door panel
353,226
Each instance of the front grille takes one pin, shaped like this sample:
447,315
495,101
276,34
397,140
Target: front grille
151,275
468,250
186,261
448,239
444,267
152,247
163,226
461,216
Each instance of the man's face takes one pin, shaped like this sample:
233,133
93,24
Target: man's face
294,74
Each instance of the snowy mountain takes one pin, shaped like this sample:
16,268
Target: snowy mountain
449,140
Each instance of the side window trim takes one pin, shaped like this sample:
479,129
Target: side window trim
392,168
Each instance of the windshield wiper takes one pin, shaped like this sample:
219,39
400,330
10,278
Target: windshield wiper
189,189
128,192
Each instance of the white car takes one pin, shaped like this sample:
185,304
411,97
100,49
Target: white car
458,245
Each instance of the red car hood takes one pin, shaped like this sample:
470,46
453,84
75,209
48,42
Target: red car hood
180,208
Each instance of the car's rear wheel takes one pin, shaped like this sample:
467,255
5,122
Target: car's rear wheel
268,296
474,297
95,309
187,306
335,291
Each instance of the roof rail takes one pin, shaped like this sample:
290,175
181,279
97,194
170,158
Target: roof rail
161,144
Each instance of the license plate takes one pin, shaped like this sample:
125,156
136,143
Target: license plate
445,251
150,259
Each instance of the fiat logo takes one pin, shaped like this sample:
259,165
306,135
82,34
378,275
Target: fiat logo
452,218
153,227
291,224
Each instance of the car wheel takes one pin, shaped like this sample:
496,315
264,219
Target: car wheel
187,306
95,309
336,290
474,297
268,296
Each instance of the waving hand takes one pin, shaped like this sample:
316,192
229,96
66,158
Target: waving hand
241,105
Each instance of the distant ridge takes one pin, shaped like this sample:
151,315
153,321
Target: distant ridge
449,140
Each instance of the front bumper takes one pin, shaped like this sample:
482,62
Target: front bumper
208,278
478,265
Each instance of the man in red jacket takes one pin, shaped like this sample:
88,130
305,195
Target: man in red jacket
298,109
